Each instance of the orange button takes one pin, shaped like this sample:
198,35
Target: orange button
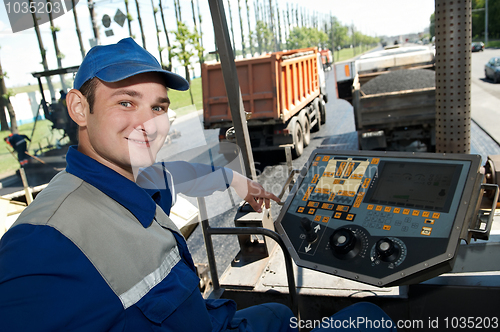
317,218
326,158
426,214
379,208
396,210
311,211
325,219
375,161
337,215
429,221
415,213
300,209
387,209
406,211
370,207
318,158
387,227
313,204
350,217
436,215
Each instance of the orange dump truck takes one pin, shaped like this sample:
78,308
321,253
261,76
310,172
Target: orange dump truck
282,95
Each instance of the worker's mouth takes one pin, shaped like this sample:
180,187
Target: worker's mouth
145,143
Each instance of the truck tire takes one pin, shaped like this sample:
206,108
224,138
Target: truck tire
298,140
322,111
317,111
306,127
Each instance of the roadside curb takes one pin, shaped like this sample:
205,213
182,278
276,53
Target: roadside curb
188,116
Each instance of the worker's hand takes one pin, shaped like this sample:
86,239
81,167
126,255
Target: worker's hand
252,192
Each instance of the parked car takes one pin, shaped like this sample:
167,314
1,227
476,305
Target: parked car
478,46
492,69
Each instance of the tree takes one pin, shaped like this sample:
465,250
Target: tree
306,37
169,47
231,23
42,52
59,55
5,103
432,25
140,23
78,33
129,18
243,50
264,37
184,49
249,29
160,49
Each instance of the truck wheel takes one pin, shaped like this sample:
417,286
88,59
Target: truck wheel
306,124
298,141
316,108
323,111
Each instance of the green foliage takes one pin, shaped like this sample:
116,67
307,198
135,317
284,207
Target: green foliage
306,37
55,29
184,46
432,26
478,19
129,17
264,37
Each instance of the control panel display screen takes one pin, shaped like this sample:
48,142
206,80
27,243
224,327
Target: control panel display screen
415,185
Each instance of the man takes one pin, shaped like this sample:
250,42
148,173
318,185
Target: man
18,142
95,251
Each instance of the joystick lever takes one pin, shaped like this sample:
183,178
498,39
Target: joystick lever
311,235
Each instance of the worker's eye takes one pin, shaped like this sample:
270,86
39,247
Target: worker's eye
160,109
126,103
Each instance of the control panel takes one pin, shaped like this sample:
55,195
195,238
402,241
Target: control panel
380,218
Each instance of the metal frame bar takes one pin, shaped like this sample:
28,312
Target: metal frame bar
209,231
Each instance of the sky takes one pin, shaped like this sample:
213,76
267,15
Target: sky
20,54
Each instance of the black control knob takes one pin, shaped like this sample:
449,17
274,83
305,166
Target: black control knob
387,250
311,235
343,241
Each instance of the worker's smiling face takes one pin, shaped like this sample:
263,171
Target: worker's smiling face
129,123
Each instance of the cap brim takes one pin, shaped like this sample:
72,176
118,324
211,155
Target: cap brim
118,72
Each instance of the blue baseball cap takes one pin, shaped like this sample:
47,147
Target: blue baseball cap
116,62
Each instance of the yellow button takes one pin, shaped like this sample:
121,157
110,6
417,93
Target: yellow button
426,214
396,210
370,207
379,208
415,213
436,215
387,209
406,211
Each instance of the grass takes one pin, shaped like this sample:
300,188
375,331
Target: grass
493,43
348,53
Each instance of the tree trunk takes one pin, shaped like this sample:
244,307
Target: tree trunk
129,21
249,29
53,29
43,54
95,29
157,32
5,103
232,30
243,50
140,24
78,33
169,65
201,32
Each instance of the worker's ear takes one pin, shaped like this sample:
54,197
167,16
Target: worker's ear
78,107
